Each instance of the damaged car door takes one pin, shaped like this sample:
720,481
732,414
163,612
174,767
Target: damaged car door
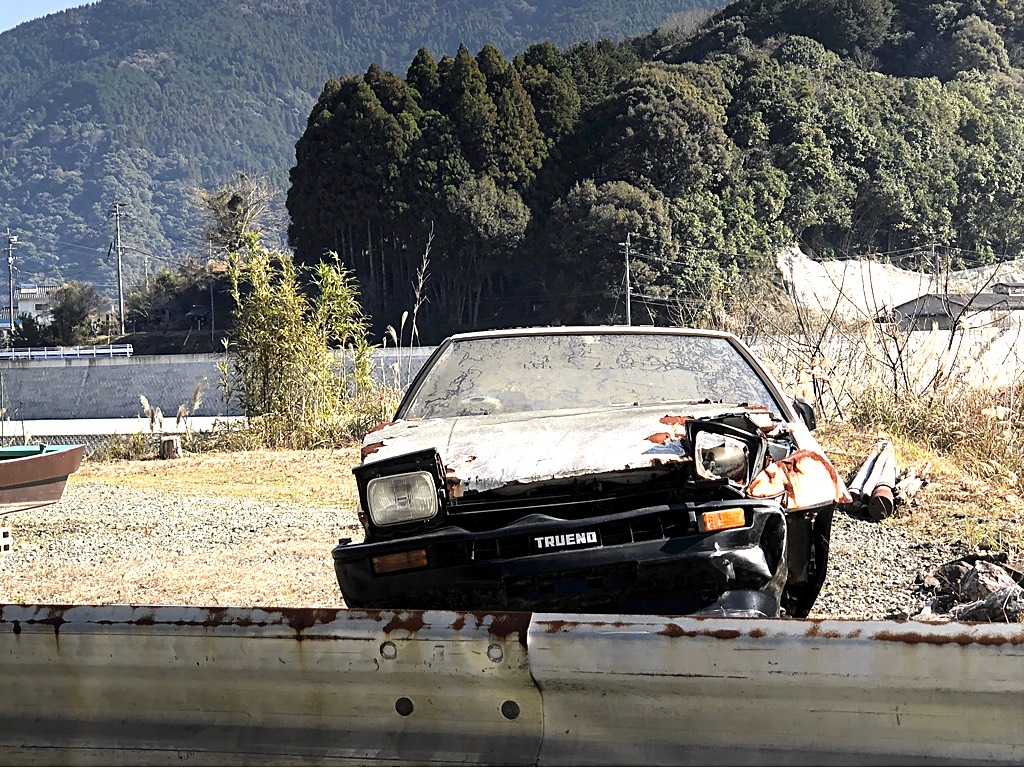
593,469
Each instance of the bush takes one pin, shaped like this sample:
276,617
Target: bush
296,391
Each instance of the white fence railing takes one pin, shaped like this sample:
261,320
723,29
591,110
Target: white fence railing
131,684
61,353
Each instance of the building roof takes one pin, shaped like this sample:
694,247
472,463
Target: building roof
952,304
37,291
1007,286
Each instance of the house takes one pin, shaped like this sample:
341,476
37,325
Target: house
996,309
1009,289
34,299
29,299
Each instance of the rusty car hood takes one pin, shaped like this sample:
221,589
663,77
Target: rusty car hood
485,452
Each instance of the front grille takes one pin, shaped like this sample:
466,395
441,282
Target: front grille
663,524
575,500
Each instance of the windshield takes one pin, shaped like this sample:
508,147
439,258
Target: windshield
513,374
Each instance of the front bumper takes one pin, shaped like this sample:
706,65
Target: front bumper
644,561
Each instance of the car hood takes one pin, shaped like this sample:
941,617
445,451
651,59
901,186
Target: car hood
486,452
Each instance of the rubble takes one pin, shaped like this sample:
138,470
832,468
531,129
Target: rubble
979,587
879,485
1005,604
984,579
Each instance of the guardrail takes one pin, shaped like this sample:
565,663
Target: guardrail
61,353
124,684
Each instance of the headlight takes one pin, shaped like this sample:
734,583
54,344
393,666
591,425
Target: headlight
720,457
402,498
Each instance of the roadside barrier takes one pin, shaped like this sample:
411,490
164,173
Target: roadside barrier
64,353
132,684
652,690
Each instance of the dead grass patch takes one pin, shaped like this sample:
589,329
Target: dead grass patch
321,477
960,504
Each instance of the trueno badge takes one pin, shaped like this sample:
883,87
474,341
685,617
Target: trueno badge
566,540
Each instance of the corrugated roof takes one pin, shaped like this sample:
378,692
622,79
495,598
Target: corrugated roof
949,305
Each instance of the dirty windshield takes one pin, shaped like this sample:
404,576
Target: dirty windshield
514,374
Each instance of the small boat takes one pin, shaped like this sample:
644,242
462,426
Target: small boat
34,475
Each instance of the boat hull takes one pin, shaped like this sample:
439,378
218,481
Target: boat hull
34,475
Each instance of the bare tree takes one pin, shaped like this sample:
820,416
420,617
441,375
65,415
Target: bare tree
236,209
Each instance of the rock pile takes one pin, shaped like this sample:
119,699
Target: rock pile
980,587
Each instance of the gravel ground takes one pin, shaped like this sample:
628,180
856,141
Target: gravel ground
109,544
874,569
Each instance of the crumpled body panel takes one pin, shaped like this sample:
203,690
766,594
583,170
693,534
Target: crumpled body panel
489,452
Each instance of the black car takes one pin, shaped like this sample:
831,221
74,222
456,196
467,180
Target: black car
593,469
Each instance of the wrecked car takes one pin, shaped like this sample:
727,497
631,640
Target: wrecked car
593,469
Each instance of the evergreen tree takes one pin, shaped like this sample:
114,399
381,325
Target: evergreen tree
423,76
464,99
518,142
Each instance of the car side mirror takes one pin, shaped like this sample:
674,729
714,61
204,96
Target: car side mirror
806,412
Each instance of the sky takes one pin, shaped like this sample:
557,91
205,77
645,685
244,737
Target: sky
14,12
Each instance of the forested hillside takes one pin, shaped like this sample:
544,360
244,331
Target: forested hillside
912,38
708,150
143,101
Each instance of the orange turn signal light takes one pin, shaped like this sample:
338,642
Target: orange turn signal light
403,561
721,519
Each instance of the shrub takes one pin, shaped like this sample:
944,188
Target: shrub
296,391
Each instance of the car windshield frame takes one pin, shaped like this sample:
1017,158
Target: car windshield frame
636,367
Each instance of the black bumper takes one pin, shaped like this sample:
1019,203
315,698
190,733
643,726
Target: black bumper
740,571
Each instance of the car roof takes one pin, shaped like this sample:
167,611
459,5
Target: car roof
588,329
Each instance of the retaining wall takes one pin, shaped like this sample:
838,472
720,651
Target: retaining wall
110,388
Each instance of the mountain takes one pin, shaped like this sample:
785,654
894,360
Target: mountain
143,102
909,38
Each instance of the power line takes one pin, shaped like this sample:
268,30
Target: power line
695,248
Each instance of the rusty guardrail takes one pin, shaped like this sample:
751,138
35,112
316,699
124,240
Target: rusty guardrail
682,690
122,684
132,685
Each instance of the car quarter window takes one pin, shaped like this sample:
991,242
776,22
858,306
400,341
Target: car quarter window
513,374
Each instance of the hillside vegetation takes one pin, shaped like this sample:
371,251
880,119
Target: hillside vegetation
709,148
143,101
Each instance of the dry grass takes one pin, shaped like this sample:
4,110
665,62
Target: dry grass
322,477
960,504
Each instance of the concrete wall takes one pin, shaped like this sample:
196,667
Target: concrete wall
110,388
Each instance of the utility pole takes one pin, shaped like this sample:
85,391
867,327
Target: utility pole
629,313
11,241
115,211
213,323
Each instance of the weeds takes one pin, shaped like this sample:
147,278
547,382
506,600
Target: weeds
187,410
126,448
985,536
299,366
